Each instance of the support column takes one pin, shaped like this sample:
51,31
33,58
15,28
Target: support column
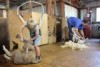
79,13
63,20
7,5
62,13
30,6
49,7
51,22
55,7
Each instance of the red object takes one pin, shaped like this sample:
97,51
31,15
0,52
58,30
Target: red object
87,31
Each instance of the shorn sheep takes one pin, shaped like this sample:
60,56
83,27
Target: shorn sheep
80,44
73,45
18,56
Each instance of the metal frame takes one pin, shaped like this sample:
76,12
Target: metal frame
41,19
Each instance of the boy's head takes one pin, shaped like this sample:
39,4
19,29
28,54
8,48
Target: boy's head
32,23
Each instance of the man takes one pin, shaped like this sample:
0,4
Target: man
78,27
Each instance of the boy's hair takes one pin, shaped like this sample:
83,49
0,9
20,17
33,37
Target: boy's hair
85,21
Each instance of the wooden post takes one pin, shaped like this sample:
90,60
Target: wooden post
54,7
62,13
7,5
7,2
30,6
79,12
7,16
49,7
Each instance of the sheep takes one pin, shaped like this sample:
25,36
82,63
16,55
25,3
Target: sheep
75,37
68,44
18,56
80,45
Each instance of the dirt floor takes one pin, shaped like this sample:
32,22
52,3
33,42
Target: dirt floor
55,56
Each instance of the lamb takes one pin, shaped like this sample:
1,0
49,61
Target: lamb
18,56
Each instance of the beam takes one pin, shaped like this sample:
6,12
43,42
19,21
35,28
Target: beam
8,5
54,7
49,7
62,13
30,6
79,12
91,7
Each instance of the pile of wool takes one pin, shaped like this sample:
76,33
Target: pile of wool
80,45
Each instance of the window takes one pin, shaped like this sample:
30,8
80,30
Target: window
3,14
98,14
70,11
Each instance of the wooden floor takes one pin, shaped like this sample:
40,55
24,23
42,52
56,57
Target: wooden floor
55,56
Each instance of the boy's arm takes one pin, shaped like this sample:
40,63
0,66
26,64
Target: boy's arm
21,32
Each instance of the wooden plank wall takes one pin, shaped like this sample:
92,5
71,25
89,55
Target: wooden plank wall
65,29
15,24
44,26
14,28
52,29
51,21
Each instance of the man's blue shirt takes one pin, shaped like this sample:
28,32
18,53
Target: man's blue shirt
75,22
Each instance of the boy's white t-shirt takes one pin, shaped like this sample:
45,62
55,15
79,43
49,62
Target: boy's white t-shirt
36,29
37,32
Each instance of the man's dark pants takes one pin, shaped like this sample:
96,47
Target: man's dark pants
70,30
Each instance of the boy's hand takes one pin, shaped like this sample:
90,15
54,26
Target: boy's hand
22,39
29,40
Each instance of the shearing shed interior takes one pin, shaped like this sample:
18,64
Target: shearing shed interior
49,33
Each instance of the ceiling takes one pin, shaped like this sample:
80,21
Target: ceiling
18,2
87,1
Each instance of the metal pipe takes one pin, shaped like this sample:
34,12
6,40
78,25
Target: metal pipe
26,3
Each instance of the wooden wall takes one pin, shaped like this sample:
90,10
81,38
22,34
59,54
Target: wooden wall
44,26
14,28
15,24
52,29
65,29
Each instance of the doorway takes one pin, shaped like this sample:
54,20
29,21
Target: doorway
58,30
4,35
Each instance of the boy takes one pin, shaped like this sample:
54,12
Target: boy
35,36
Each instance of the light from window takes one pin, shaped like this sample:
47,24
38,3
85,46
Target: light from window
98,14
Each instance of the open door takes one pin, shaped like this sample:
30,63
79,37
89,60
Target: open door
58,31
4,35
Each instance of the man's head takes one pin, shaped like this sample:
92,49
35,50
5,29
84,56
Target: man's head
85,22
